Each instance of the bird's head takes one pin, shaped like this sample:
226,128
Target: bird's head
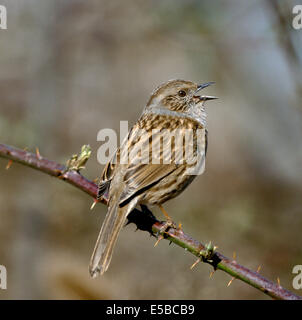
179,95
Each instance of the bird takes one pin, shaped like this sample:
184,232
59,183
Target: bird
148,169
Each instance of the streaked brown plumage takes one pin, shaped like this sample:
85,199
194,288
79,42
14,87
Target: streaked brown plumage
175,104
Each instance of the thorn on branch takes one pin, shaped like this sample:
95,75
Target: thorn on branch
234,256
230,282
212,273
9,164
179,228
38,154
195,263
95,201
160,237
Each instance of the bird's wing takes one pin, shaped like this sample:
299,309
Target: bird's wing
109,171
143,174
140,171
107,175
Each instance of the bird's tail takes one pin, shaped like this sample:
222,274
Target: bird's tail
112,225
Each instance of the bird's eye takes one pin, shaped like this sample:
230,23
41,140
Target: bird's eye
182,93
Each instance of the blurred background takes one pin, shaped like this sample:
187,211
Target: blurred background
70,68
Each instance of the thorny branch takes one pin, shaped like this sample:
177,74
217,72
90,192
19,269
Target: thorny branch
148,222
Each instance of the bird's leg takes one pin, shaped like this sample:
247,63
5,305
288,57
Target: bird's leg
169,220
164,212
166,225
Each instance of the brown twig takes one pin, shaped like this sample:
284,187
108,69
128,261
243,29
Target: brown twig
205,253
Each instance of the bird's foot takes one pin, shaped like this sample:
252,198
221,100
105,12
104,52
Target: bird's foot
163,229
166,226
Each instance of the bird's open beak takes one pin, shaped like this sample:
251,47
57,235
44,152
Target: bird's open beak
203,97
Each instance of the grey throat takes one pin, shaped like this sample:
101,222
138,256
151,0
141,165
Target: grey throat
195,112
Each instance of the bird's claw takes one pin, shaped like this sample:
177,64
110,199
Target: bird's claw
164,229
166,226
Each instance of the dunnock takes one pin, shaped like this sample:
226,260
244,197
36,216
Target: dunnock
138,176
